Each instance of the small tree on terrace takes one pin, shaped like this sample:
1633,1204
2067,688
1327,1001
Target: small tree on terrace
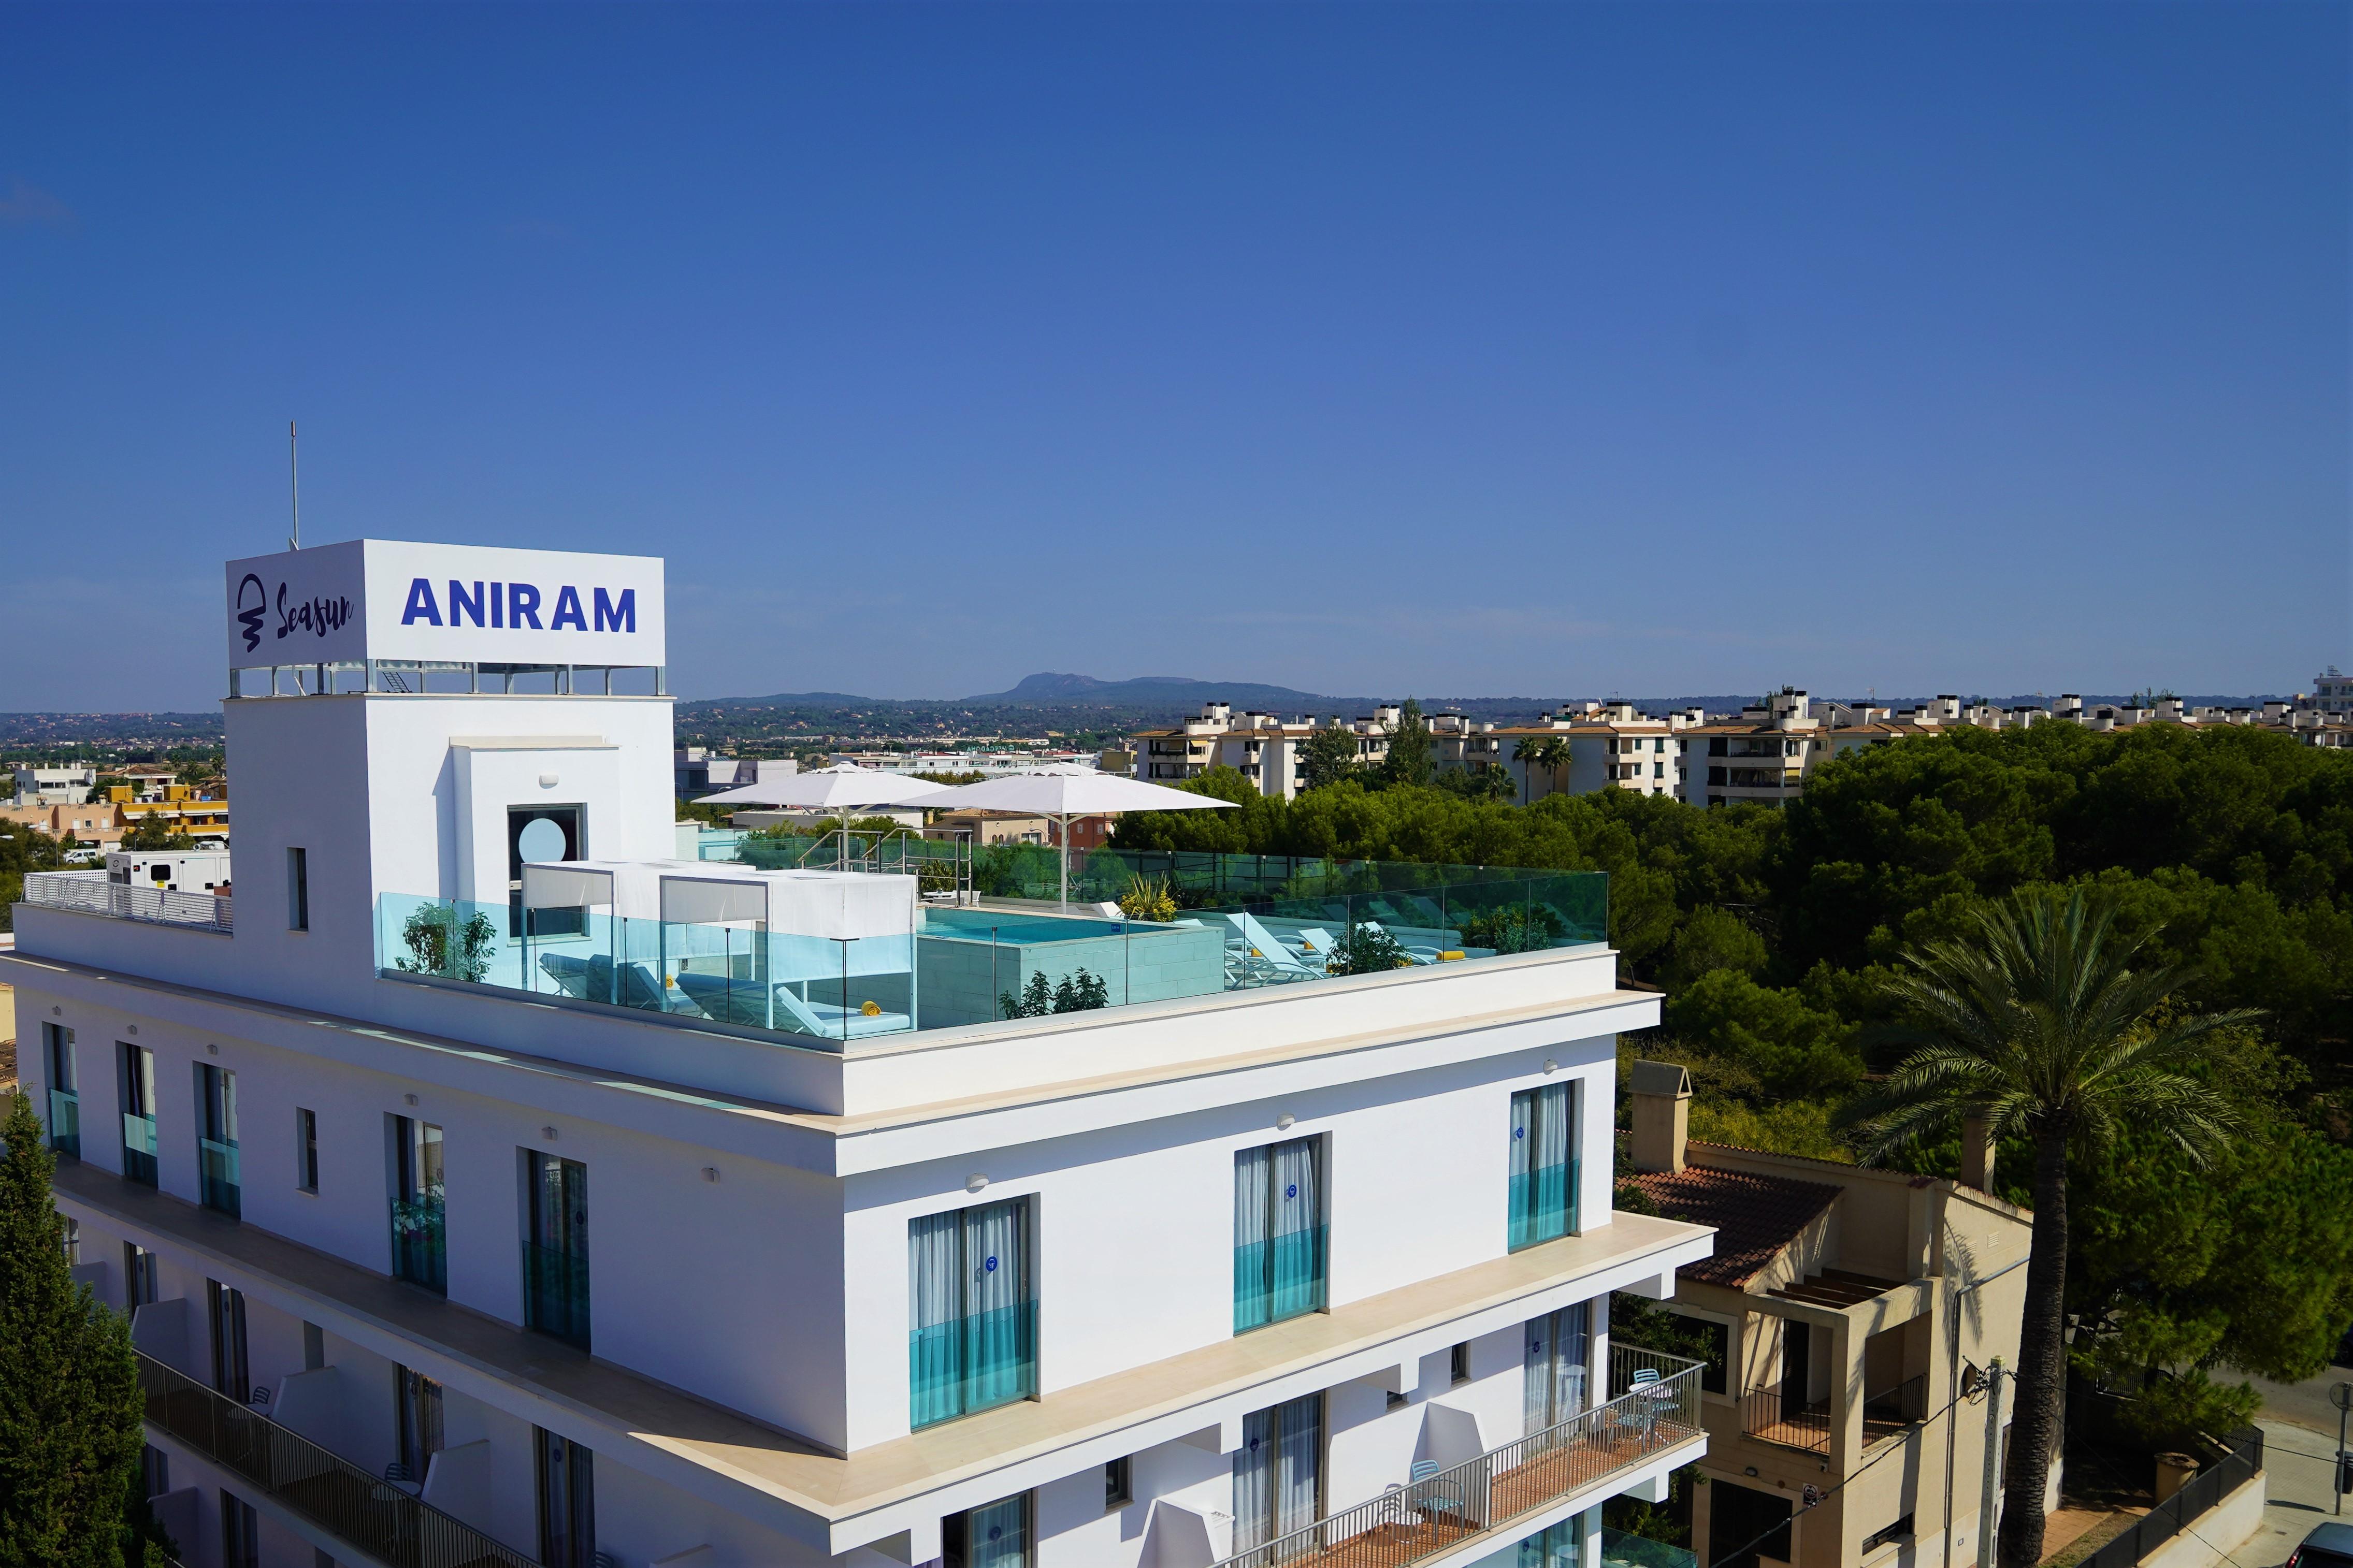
2037,1025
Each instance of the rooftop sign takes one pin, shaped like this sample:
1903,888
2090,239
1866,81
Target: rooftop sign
376,598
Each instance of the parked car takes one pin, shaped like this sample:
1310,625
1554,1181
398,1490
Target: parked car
2328,1546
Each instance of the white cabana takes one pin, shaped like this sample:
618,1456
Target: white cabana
1065,791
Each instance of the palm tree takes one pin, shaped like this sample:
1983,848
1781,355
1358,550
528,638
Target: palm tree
2037,1025
1549,753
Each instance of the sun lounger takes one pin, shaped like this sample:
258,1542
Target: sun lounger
729,1000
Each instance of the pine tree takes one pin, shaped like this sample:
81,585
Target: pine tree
70,1429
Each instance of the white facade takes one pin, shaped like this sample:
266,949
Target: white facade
59,786
752,1202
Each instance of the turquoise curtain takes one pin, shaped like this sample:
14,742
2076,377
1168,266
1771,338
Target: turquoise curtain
1543,1169
1278,1233
971,1317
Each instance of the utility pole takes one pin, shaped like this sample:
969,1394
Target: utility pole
2341,1396
293,487
1988,1500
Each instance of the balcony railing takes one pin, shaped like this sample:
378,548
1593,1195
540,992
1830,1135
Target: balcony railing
379,1520
89,893
1436,1513
1891,1411
65,1123
420,1248
217,1175
556,1293
1776,1414
139,1148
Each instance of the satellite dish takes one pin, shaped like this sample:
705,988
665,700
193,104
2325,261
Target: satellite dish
540,840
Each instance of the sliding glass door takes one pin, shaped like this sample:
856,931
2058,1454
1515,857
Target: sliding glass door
1279,1234
1279,1478
971,1316
1543,1165
1559,1345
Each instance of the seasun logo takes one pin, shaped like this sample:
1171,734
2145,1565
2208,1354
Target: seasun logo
318,617
515,606
251,619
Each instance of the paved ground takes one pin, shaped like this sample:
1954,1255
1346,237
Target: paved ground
2299,1442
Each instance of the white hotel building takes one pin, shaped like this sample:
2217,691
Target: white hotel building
692,1215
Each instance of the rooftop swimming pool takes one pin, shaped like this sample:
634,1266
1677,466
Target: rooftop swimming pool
969,966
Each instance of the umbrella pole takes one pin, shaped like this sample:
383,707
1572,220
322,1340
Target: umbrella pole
1066,865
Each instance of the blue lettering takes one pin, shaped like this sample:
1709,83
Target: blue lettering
462,604
497,591
619,615
522,605
567,611
421,607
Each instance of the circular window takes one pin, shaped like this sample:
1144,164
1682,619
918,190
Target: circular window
540,840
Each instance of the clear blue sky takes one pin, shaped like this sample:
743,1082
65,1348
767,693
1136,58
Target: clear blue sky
1537,350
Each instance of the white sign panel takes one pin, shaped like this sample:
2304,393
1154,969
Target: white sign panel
375,598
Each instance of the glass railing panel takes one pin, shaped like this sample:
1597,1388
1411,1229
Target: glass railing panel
65,1123
217,1175
556,1293
139,1148
420,1252
970,1364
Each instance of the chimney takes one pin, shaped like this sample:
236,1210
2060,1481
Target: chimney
1661,1096
1977,1155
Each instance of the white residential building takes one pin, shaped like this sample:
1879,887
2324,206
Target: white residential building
60,785
489,1186
1265,750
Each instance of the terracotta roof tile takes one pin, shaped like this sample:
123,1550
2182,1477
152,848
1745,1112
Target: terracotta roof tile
1755,1216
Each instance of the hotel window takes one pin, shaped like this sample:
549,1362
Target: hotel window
1555,1370
996,1535
420,1252
65,1090
140,1285
241,1534
216,1150
1279,1475
298,889
1278,1233
73,1242
418,1400
1543,1165
1459,1371
972,1315
567,1503
231,1370
136,1069
306,1149
555,1259
1119,1483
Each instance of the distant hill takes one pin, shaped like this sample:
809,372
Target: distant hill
1162,691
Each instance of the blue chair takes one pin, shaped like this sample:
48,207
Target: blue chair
1425,1494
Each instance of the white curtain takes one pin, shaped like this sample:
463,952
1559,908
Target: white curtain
1555,1378
1298,1273
1252,1171
1278,1473
935,1307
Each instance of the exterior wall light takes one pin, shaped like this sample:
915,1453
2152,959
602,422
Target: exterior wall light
710,1172
408,1098
211,1048
547,780
1283,1122
975,1181
548,1133
1551,1066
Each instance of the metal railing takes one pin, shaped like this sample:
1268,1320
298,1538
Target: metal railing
1888,1411
89,892
1434,1513
2174,1515
377,1517
1775,1415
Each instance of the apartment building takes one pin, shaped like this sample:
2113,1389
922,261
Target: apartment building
1845,1305
1595,745
95,824
61,785
1262,748
483,1182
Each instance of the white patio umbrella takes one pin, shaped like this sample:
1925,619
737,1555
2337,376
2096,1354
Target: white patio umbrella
1066,790
844,787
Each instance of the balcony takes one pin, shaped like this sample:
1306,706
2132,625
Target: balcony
381,1521
89,893
419,1250
1656,1409
1773,1414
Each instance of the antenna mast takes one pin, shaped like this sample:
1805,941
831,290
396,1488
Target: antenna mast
294,487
